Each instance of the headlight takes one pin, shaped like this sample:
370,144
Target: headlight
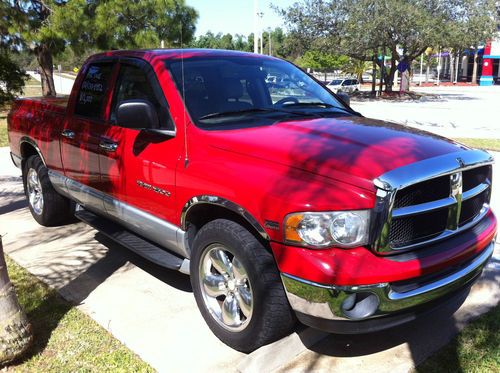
322,229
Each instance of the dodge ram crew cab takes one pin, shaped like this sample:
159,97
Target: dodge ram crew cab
280,201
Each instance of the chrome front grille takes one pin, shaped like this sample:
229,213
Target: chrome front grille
431,200
408,230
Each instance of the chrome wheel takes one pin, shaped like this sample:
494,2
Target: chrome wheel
226,288
35,195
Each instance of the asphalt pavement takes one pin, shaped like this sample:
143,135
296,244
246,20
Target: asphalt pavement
447,111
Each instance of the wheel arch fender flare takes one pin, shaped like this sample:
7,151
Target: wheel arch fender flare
226,204
30,142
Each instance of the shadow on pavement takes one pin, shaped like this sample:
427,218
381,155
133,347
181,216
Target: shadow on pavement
364,344
116,257
424,336
13,206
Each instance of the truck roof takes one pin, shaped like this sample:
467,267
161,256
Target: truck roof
149,54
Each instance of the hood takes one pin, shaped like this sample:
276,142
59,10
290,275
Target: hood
351,149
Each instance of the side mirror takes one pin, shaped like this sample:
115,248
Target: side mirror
137,114
344,97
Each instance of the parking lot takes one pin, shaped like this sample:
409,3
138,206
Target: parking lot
447,111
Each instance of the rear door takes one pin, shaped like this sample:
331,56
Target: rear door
139,167
82,132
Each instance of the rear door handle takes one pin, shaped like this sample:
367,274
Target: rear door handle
68,134
108,146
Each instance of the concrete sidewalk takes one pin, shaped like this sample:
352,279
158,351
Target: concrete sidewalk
153,312
150,309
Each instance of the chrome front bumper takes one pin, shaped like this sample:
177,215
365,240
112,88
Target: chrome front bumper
364,302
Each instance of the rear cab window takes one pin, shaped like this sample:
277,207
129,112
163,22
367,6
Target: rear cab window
92,94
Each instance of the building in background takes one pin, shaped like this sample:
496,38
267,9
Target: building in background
490,72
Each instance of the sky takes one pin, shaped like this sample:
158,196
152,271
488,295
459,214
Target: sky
235,16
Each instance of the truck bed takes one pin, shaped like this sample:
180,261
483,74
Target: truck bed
41,120
56,104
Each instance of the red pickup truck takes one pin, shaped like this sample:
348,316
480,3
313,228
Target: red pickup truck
281,201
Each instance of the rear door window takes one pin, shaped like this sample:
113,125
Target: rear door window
93,90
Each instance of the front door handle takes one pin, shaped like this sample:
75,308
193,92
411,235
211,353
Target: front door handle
68,134
108,146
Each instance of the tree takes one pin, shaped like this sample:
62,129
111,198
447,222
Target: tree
12,78
356,67
320,61
281,43
28,21
15,329
362,28
48,27
142,23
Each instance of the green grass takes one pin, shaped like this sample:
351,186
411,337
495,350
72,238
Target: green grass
32,81
489,144
32,88
3,128
475,349
65,339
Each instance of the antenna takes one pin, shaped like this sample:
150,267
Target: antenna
186,158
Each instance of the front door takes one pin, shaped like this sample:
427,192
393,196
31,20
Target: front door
139,168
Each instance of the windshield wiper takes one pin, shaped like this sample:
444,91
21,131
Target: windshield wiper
323,104
234,112
248,111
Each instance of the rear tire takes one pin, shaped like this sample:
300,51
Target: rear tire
238,288
47,206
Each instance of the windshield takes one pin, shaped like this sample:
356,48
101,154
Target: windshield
224,90
335,82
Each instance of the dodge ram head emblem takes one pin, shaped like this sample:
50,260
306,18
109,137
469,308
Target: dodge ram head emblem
456,193
461,162
456,184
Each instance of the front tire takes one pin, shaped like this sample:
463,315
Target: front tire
47,206
238,288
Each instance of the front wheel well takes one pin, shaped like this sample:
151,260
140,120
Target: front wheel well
27,150
199,215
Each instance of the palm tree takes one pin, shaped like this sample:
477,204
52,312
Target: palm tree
357,68
15,329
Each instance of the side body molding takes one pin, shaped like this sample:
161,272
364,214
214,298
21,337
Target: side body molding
222,202
138,221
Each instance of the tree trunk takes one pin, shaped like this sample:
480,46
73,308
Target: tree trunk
452,65
474,69
15,329
374,74
382,73
392,72
44,57
427,71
